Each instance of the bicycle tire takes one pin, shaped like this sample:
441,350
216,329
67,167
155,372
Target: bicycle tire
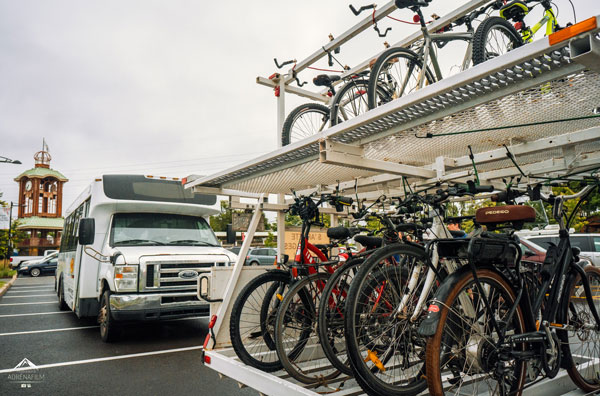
583,374
481,53
446,353
331,316
386,60
350,101
248,339
296,336
378,347
303,122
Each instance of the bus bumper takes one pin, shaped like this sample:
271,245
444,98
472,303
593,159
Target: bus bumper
125,307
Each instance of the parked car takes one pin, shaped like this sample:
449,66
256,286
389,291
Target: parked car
15,261
39,267
588,243
235,249
261,256
532,251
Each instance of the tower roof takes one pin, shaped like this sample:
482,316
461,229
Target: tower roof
41,173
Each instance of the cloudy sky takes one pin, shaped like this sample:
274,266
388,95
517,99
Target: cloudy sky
162,87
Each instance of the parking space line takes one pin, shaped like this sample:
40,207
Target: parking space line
48,331
35,313
31,295
38,286
104,359
39,302
31,290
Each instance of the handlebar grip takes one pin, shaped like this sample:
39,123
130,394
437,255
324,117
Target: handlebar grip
481,189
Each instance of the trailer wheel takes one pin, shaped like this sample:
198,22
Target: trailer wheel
109,330
62,305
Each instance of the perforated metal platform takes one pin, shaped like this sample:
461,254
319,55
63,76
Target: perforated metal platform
535,83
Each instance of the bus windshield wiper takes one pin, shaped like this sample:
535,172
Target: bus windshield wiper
138,242
192,242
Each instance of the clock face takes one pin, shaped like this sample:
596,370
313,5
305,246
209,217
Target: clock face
28,185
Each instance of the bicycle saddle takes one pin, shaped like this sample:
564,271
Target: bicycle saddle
515,10
458,233
368,241
338,233
517,215
324,80
412,3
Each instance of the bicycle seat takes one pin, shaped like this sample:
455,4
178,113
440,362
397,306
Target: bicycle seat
517,215
338,233
515,10
324,80
412,3
458,233
368,241
406,227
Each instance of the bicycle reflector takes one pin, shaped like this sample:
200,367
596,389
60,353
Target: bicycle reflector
572,31
416,18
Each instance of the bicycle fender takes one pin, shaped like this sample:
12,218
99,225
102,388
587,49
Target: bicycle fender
429,325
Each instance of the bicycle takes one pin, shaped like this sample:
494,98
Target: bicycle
311,118
254,311
484,329
399,71
388,299
498,31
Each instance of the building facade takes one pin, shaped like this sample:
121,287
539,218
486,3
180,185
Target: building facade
40,206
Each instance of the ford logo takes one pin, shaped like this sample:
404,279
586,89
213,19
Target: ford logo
188,274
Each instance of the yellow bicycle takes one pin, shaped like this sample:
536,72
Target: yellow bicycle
496,35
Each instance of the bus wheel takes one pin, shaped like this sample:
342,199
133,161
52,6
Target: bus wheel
109,330
62,305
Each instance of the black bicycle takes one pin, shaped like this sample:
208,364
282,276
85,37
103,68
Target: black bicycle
490,334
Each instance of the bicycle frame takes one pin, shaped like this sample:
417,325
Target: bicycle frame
549,20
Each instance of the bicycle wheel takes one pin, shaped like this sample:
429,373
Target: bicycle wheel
494,36
304,121
385,351
464,347
581,343
252,321
351,101
395,74
296,334
331,315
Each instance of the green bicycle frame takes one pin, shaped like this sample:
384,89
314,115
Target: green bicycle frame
549,20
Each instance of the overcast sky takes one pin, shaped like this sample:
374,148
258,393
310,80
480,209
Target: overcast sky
162,87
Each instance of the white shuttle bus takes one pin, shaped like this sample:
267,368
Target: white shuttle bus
132,248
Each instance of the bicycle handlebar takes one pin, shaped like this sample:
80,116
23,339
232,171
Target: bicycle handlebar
550,197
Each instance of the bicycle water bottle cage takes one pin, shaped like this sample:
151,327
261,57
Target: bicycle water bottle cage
515,10
324,80
515,215
412,3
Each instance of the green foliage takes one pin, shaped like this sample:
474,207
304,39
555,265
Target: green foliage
219,222
270,240
16,236
589,208
7,272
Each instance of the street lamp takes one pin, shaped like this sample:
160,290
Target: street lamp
9,161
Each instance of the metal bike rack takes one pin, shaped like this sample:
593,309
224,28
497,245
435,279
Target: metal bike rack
538,100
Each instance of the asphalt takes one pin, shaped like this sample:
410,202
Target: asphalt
162,358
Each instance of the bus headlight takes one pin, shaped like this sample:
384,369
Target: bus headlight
126,278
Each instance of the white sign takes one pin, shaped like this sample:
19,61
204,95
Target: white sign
4,218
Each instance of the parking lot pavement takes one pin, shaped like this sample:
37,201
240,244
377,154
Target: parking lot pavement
150,358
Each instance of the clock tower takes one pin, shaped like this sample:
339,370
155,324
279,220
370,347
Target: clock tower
40,205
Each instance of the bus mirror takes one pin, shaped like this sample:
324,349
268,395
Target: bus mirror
86,231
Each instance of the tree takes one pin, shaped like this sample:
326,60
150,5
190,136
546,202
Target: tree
16,236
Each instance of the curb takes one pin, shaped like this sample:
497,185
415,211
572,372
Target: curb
8,285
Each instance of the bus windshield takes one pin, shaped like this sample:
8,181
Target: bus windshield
148,229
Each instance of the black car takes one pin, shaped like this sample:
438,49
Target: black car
45,266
